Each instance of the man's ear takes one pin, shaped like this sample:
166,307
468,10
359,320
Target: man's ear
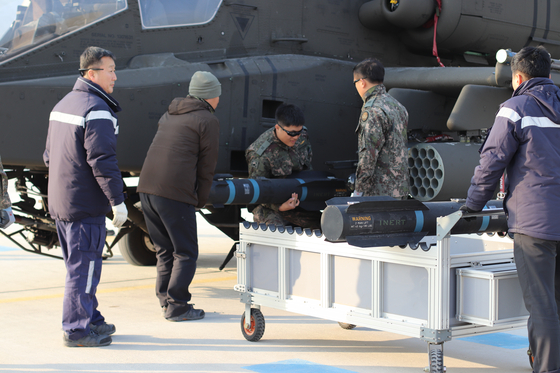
518,78
90,74
363,83
523,78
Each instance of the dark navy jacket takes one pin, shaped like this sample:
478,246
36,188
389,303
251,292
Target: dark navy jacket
84,178
525,140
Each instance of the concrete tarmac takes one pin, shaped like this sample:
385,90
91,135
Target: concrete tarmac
32,287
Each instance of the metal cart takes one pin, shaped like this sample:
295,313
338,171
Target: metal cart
444,287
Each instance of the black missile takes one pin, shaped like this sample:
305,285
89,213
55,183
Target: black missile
313,189
384,221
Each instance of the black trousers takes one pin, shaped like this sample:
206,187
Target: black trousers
172,227
538,269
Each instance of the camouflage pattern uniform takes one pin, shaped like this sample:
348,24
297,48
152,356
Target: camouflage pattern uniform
5,201
6,213
271,158
382,146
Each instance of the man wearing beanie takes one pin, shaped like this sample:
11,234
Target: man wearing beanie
175,180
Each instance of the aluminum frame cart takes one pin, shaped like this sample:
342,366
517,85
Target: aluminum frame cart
444,287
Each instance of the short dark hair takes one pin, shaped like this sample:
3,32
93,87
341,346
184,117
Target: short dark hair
370,69
290,115
532,61
92,56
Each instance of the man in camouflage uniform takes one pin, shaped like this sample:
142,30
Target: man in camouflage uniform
6,214
382,138
277,153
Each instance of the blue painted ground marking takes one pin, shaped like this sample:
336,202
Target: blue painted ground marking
6,248
295,366
504,340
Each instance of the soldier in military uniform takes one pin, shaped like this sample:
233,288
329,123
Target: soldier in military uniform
382,136
6,214
277,153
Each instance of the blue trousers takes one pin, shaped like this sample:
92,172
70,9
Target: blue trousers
82,244
538,269
172,228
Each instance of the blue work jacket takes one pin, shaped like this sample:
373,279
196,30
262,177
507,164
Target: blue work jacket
524,141
81,154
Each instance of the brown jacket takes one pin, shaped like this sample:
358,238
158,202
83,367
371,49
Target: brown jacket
181,160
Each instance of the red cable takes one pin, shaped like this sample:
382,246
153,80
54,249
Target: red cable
434,49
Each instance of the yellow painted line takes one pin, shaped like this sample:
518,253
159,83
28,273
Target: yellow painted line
113,290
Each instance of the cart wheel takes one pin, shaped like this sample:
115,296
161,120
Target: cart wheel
436,361
255,332
346,326
531,357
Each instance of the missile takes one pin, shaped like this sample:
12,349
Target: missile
385,221
313,189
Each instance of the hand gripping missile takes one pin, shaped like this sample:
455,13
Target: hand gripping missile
384,221
313,189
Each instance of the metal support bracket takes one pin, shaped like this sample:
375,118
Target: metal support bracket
446,223
435,336
246,298
247,316
36,249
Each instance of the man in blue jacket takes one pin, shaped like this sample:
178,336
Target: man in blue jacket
525,142
85,183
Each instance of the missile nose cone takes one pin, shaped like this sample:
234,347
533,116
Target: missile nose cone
332,223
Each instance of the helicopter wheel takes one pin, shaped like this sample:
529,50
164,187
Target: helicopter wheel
137,248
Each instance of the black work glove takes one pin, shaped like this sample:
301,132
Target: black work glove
465,209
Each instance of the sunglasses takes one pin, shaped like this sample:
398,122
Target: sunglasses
357,80
83,71
291,133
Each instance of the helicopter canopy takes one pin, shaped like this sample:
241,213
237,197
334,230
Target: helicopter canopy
28,23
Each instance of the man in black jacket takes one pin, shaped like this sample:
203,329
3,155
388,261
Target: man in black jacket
175,180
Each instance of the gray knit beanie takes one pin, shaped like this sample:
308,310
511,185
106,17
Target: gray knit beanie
205,85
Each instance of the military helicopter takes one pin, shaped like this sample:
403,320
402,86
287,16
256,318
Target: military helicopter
264,53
